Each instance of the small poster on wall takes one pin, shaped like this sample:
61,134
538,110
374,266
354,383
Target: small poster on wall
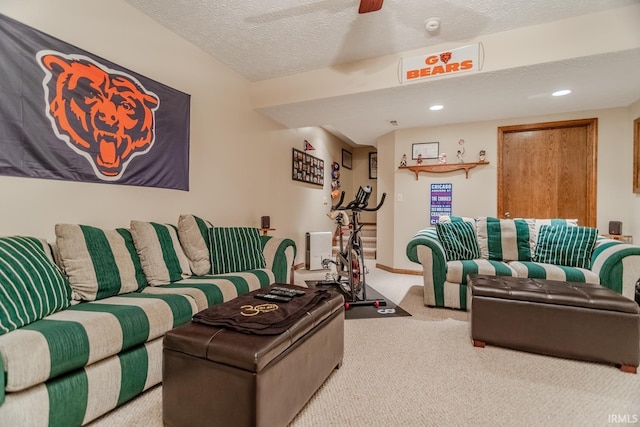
440,201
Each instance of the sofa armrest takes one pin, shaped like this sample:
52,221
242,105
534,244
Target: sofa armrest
425,248
279,253
617,264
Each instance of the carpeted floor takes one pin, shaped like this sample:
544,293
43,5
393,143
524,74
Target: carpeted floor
422,370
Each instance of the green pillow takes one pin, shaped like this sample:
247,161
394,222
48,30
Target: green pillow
235,249
504,239
31,286
568,246
194,238
99,263
458,240
163,260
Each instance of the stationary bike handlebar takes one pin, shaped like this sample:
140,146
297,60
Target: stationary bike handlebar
360,203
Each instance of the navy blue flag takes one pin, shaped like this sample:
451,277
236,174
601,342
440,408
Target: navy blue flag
67,114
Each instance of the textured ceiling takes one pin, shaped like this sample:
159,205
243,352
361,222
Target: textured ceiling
267,39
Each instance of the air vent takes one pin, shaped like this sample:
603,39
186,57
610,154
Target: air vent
393,122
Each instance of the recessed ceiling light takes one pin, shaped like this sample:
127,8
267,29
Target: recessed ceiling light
562,92
436,107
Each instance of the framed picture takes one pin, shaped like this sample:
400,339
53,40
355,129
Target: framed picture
307,168
428,150
346,159
373,165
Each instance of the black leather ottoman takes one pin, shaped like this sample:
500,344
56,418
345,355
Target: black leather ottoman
217,377
567,319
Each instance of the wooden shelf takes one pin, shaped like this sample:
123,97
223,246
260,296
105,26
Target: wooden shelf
442,168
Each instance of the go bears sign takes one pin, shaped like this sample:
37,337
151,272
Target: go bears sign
450,62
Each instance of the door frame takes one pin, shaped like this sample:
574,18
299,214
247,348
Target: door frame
592,159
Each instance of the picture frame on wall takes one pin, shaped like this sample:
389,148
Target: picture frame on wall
347,159
373,165
307,168
428,150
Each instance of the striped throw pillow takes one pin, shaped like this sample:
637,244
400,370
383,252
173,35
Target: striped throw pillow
163,260
235,249
449,218
568,246
504,239
194,238
458,240
99,263
31,286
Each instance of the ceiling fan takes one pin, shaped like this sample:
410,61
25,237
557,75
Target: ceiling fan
367,6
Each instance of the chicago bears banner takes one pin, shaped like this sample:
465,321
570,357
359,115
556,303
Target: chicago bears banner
67,114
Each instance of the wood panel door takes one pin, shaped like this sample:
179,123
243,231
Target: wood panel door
548,170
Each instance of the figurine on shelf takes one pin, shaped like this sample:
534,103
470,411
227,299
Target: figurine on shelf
461,151
419,159
442,159
482,156
403,161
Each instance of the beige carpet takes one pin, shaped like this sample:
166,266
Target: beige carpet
423,370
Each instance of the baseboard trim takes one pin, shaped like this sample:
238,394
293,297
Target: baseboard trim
398,270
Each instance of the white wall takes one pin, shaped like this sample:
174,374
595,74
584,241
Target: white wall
240,162
477,195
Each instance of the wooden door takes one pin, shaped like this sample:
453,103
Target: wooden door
548,170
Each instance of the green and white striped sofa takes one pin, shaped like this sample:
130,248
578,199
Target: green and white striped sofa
611,263
81,333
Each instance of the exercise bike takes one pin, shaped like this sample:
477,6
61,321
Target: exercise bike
349,262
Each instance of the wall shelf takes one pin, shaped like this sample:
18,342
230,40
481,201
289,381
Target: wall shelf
442,168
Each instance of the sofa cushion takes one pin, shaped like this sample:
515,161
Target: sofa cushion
31,286
561,245
88,332
235,249
457,271
451,218
536,270
504,239
210,290
99,263
194,238
458,240
163,260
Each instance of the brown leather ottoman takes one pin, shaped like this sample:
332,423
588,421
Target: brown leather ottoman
567,319
217,377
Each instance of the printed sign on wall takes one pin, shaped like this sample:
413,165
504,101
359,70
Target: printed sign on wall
440,64
68,114
440,201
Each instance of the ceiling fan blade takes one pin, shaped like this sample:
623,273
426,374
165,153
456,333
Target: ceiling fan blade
367,6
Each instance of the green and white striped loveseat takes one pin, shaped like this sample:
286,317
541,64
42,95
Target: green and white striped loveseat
506,249
84,335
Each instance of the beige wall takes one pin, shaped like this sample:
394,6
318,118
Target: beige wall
240,162
477,195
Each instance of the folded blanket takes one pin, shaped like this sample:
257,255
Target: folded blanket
251,315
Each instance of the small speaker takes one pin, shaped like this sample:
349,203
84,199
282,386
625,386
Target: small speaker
265,222
615,227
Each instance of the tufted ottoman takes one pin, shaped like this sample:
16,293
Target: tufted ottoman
567,319
213,376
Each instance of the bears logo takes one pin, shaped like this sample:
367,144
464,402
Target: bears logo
105,115
445,57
